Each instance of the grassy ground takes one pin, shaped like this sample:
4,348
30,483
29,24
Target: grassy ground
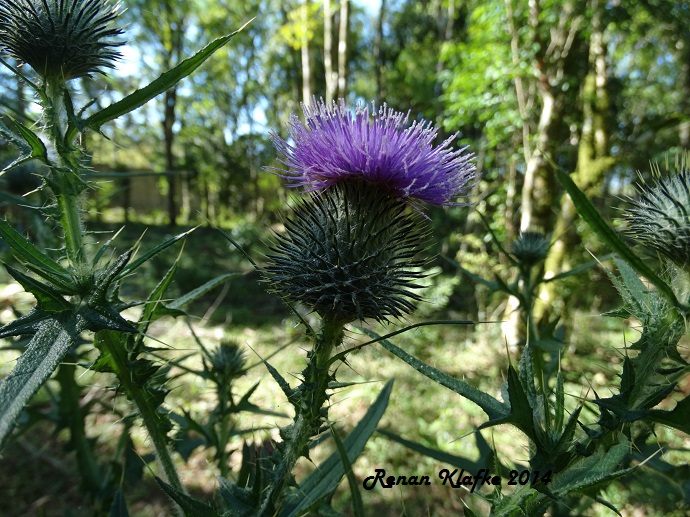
39,474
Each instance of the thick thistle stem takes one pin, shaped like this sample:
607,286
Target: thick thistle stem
309,405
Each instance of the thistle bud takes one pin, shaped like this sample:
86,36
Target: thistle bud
530,248
660,219
60,39
227,362
349,253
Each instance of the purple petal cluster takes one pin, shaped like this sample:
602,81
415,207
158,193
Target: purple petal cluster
335,145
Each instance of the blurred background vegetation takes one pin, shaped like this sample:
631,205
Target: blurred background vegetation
598,88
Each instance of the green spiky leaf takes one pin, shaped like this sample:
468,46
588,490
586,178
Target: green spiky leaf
191,296
48,299
493,408
27,252
30,145
163,83
24,325
678,417
609,236
119,506
189,506
54,338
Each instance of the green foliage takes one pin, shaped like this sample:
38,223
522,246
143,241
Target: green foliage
461,63
322,482
481,99
580,457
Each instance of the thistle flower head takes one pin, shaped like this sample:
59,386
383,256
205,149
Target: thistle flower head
335,145
530,248
60,39
349,253
660,217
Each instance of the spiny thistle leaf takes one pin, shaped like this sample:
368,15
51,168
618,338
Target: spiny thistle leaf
190,506
30,254
496,411
164,82
47,298
53,339
678,417
24,325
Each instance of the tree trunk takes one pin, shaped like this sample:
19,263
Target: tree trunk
378,56
684,131
169,137
127,197
445,34
306,69
538,193
554,44
331,82
537,189
343,33
186,196
172,42
519,87
593,160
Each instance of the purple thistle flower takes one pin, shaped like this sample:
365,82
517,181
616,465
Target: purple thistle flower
333,146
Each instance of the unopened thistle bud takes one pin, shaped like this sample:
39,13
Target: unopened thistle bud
227,362
60,39
530,248
660,217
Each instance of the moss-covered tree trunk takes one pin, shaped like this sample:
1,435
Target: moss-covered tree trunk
593,162
556,31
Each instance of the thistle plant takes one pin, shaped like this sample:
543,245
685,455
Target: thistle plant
222,367
352,249
524,279
76,286
572,458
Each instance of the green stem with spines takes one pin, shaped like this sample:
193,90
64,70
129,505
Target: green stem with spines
310,399
147,411
66,174
224,401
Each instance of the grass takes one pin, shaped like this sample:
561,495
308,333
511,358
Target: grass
39,474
